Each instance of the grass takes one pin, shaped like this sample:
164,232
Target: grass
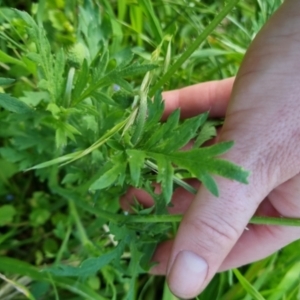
46,230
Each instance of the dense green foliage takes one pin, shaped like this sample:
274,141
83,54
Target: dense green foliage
80,113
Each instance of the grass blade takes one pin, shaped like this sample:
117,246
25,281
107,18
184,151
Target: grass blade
290,280
19,287
247,286
154,23
199,40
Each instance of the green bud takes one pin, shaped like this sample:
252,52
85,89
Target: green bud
76,55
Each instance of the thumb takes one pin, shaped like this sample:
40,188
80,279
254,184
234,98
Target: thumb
208,232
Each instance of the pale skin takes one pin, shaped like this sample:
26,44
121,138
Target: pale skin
262,115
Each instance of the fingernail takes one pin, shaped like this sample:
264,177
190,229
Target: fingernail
187,274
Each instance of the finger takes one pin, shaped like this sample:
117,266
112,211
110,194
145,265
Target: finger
212,96
161,258
256,242
260,241
263,144
144,198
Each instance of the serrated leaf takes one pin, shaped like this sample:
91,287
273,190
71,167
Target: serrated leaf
208,131
210,184
14,105
140,119
5,81
163,132
60,137
34,98
135,70
155,111
58,78
100,64
68,158
87,268
34,57
182,134
25,17
81,81
123,99
200,161
109,177
102,97
136,161
165,176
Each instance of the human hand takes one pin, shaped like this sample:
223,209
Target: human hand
262,119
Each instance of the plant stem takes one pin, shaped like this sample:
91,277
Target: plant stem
190,50
115,218
63,245
81,231
118,218
177,219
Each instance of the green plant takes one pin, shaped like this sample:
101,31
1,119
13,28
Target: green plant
82,117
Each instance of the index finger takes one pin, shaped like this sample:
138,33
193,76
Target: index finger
212,96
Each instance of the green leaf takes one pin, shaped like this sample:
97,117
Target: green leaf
193,46
81,81
57,160
18,267
14,105
153,138
135,70
140,119
155,111
39,217
5,58
208,131
114,78
100,64
251,290
136,161
7,213
33,99
201,161
87,268
210,184
165,176
18,286
286,284
153,20
102,97
181,135
110,176
134,268
5,81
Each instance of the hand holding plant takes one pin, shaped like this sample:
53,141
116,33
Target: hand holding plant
263,120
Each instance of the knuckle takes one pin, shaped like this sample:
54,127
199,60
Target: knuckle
217,232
